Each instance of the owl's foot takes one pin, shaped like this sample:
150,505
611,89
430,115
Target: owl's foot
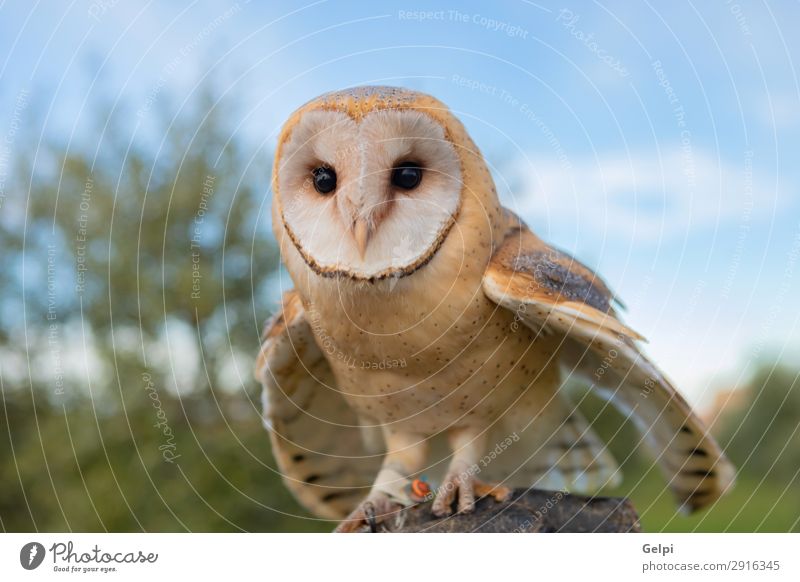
376,508
496,491
465,488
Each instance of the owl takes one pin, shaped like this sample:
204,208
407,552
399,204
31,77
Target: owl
423,350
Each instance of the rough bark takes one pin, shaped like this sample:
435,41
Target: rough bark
528,511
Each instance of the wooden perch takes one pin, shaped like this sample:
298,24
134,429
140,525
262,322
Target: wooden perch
528,511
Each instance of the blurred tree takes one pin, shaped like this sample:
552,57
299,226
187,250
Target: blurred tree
763,437
131,315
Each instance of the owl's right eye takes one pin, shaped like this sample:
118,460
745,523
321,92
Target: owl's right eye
324,180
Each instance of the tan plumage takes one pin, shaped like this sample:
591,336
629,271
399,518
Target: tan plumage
328,475
559,292
428,327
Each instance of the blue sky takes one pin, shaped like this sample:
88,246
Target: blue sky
658,144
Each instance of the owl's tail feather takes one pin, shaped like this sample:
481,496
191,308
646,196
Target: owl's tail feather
556,450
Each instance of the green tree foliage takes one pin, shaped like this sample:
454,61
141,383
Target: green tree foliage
139,278
763,438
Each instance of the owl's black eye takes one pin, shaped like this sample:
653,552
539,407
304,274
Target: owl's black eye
324,180
407,175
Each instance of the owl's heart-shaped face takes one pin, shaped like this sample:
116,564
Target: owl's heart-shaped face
367,197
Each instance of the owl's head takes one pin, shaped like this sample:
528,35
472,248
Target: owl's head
368,182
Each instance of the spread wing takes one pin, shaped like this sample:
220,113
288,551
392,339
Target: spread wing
316,437
553,293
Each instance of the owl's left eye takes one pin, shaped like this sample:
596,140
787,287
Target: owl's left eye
407,175
324,180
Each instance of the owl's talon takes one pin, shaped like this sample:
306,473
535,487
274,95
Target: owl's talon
369,512
374,510
466,489
457,486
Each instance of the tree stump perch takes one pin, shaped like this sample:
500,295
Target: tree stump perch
528,511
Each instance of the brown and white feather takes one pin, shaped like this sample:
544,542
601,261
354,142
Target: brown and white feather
548,288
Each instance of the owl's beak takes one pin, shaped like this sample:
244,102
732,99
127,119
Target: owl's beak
361,233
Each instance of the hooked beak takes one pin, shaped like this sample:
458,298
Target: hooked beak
362,206
361,232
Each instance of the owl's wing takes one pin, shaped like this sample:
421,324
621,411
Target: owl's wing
553,293
316,437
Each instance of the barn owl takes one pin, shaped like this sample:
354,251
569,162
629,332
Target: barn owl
429,332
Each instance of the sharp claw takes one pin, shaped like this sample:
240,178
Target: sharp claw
369,514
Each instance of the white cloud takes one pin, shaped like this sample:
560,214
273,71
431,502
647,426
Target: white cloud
779,110
640,197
